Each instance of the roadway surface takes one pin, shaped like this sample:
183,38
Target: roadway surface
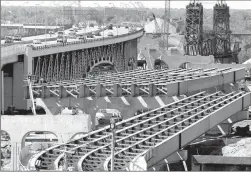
30,38
115,31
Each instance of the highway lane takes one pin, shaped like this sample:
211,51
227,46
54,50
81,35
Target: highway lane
46,36
115,31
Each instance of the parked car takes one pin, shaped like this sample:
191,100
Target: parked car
36,41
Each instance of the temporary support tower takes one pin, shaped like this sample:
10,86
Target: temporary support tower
193,29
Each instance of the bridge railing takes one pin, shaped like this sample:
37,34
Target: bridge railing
81,41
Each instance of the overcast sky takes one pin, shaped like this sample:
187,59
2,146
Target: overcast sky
148,4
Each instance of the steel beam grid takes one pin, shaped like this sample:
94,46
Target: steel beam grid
194,29
145,83
141,130
178,114
221,28
103,134
113,80
166,130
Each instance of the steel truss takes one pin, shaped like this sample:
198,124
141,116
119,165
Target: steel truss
194,29
130,83
221,29
76,64
138,134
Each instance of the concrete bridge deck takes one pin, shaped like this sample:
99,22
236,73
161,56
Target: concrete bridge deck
168,128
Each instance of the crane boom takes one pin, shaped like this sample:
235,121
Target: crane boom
157,28
164,41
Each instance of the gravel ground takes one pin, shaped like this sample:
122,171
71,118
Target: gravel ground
240,149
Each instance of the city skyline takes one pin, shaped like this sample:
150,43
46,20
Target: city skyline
118,4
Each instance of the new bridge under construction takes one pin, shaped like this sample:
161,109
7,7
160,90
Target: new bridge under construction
159,103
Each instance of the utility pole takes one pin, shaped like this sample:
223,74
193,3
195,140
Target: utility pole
113,127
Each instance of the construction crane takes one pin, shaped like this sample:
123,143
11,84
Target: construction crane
157,28
164,41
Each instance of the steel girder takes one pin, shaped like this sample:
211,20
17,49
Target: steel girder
138,83
76,64
194,29
153,129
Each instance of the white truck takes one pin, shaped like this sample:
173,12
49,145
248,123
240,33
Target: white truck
103,116
61,37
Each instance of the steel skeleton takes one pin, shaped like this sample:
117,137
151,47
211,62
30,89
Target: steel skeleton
103,134
131,83
137,134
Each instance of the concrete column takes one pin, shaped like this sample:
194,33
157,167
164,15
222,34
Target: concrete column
15,153
28,61
18,89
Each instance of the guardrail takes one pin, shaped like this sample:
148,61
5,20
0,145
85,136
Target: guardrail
82,41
